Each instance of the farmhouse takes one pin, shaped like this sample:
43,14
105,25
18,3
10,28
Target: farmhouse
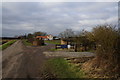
48,37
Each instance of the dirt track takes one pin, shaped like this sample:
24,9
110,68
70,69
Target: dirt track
20,61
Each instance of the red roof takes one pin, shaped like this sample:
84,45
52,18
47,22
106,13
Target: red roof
41,36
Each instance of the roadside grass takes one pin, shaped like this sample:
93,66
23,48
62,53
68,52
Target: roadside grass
25,42
55,49
52,41
60,68
4,46
91,50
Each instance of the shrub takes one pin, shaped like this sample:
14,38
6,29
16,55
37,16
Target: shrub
107,39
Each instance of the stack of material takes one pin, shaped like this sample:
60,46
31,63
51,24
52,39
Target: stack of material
66,41
38,42
63,42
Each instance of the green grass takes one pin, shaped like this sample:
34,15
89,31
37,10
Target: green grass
56,49
91,50
60,68
53,49
25,42
4,46
52,41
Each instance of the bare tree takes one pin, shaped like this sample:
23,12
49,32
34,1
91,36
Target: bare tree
39,33
67,33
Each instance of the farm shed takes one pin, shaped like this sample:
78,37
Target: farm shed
38,42
66,41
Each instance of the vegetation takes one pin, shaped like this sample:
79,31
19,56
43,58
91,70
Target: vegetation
107,39
67,33
4,46
52,41
53,50
39,33
31,36
83,43
56,49
26,42
60,68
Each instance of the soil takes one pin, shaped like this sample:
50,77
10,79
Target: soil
20,61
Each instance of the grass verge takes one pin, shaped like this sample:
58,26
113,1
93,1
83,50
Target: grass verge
25,42
53,41
55,49
4,46
60,68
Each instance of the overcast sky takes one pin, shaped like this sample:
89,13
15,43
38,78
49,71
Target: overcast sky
54,17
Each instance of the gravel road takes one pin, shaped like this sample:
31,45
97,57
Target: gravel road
69,54
19,61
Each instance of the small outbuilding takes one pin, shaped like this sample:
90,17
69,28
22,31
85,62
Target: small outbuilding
66,41
38,42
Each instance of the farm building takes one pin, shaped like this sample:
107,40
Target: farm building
38,42
72,43
48,37
66,41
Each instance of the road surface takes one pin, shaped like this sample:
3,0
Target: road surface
19,61
68,54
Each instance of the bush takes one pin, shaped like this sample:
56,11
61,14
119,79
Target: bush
107,39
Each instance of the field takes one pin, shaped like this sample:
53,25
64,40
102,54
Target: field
7,44
53,41
3,41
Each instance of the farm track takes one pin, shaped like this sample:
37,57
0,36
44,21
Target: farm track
19,61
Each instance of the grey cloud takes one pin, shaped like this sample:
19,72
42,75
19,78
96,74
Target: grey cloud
54,17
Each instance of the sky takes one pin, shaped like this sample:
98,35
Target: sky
20,18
